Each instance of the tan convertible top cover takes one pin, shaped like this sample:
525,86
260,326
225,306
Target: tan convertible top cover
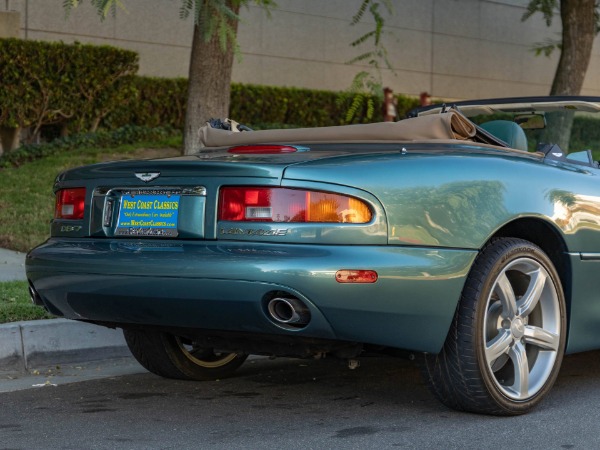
449,125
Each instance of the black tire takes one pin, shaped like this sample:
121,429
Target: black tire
509,327
169,356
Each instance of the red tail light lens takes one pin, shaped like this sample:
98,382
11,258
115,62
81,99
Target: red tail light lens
253,204
261,149
70,204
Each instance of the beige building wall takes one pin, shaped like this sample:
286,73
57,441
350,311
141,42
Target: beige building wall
453,49
10,24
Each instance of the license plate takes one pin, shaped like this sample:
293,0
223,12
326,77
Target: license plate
148,215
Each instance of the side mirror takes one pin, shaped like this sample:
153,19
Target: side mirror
531,121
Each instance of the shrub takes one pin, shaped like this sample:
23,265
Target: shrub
63,88
162,102
293,106
44,83
157,102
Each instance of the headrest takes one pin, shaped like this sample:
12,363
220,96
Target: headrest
508,131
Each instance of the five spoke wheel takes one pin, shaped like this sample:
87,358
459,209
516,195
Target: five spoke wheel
507,339
522,328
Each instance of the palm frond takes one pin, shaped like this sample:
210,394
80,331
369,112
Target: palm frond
69,5
267,5
547,47
361,12
370,108
103,7
185,8
547,7
362,39
367,84
357,102
361,57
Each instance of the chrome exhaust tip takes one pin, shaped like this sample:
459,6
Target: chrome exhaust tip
289,311
35,297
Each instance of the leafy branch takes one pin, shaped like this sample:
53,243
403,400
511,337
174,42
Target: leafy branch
367,84
548,8
213,17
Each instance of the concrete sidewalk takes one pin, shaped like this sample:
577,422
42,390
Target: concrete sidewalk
45,353
26,346
12,265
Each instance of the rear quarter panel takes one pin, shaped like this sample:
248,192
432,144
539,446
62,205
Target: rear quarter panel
460,197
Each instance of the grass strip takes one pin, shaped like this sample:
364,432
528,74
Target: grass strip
15,303
26,197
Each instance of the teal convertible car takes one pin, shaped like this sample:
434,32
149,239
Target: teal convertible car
467,235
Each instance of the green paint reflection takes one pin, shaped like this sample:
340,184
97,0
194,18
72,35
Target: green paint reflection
460,212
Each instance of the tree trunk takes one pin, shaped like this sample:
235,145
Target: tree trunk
95,124
209,83
10,138
578,31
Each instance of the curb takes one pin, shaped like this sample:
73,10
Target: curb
27,345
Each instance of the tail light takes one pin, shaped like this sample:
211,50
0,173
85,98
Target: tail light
70,203
263,149
253,204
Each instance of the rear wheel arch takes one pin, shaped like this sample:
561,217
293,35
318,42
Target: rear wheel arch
548,238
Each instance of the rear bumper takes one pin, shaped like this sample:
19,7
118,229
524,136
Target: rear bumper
223,286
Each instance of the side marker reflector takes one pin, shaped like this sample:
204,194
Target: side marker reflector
356,276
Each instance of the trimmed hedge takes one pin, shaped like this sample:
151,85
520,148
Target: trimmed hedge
157,102
76,87
294,106
162,102
44,83
58,88
585,134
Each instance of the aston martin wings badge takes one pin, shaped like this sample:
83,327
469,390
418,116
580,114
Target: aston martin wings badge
146,177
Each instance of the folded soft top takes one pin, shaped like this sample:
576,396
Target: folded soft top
449,125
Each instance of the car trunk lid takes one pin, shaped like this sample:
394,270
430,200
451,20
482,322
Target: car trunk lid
175,197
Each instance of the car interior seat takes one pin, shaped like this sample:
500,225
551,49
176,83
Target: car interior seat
508,131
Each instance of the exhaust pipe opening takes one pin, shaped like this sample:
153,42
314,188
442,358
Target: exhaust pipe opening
289,311
35,297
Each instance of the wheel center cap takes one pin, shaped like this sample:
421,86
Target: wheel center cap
517,328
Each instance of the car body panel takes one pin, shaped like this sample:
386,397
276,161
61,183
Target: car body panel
434,204
584,311
221,285
458,198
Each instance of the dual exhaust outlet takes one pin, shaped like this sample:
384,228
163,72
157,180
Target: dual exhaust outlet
290,312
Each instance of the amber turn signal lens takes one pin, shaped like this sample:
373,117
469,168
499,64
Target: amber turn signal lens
356,276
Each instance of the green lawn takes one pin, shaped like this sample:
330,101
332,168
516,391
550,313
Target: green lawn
15,304
27,206
26,198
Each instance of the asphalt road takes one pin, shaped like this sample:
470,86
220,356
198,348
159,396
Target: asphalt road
293,404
